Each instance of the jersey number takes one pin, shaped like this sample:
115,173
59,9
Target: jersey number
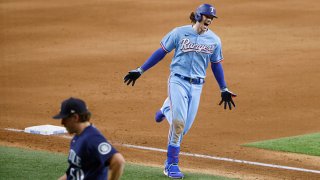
76,174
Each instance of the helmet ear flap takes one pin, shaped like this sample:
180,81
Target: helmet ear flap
198,17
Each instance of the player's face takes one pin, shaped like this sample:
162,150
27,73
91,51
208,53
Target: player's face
70,123
206,21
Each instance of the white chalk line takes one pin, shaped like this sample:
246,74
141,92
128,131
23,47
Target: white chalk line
204,156
15,130
226,159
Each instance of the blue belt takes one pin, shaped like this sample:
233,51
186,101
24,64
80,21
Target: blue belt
191,80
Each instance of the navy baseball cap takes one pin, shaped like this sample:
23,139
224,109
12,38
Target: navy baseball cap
71,106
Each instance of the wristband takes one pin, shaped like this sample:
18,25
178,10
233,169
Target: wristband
140,70
224,89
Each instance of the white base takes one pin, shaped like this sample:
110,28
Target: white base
46,130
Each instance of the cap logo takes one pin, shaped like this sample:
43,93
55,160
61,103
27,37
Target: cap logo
73,111
212,9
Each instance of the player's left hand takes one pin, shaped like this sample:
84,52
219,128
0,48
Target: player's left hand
132,76
226,97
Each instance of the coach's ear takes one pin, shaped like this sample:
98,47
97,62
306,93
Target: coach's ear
76,117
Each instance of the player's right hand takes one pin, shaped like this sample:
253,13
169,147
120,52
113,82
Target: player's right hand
226,97
132,76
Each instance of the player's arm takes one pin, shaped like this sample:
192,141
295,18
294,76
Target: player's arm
133,75
64,177
157,56
218,73
226,95
116,166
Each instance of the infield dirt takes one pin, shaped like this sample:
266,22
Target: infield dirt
51,50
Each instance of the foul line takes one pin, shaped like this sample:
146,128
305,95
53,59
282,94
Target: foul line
226,159
204,156
15,130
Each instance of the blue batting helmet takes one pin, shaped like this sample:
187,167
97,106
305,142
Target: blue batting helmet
205,9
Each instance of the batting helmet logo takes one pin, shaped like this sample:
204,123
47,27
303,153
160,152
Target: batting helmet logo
205,9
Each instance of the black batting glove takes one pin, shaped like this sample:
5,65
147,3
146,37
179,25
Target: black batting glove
132,76
226,97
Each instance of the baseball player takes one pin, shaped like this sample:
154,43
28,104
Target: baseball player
90,155
195,46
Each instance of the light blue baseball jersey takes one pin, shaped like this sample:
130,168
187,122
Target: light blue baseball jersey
192,51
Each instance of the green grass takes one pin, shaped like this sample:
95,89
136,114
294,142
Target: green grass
305,144
24,164
137,172
18,163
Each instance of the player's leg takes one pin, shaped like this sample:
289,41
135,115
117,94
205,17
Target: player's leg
161,114
193,106
164,112
176,115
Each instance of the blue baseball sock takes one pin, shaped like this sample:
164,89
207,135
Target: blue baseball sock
173,154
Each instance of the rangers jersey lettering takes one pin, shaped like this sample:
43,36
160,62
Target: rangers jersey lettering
193,51
187,46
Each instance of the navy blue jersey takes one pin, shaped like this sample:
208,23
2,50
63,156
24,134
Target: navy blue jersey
89,155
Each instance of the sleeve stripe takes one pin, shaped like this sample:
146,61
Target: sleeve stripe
164,48
218,61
